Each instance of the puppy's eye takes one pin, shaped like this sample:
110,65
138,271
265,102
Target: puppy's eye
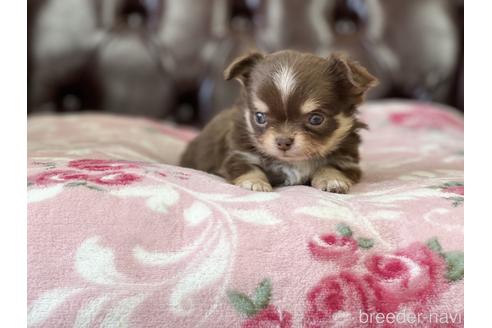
316,119
260,118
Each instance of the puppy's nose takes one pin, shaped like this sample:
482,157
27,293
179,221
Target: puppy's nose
284,143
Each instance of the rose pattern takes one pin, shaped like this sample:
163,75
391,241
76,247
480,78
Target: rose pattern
84,171
111,173
415,273
341,249
453,187
101,165
58,176
459,190
269,317
409,278
425,117
61,176
336,301
115,178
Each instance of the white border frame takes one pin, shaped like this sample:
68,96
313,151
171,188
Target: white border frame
13,247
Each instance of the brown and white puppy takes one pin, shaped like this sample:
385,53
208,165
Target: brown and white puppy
295,123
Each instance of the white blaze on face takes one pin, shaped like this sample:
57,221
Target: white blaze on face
284,79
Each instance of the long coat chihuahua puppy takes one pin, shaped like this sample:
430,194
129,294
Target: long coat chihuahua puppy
295,123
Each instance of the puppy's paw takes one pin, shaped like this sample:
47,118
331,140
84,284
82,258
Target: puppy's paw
254,180
255,185
331,180
336,186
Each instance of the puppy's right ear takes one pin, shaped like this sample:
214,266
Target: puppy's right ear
241,67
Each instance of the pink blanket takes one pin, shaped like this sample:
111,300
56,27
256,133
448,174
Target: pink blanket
116,238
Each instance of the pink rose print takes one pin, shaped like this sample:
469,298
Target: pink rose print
58,176
453,187
336,301
425,117
415,273
269,317
61,176
331,247
408,278
115,178
101,165
459,190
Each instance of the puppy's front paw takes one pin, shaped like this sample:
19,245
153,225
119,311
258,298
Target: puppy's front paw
336,186
255,185
254,180
331,180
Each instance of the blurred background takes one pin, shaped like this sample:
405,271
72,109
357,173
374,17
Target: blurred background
164,58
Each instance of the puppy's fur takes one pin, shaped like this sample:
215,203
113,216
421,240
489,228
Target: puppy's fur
274,136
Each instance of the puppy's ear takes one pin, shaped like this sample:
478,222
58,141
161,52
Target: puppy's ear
241,67
350,75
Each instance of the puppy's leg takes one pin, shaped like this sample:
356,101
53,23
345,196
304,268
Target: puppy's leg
244,174
334,180
254,180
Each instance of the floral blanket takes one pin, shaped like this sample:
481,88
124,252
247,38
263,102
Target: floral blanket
118,238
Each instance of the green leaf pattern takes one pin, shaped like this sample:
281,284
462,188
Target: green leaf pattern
344,230
455,260
365,243
263,293
243,304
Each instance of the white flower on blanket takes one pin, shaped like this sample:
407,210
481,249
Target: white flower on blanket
382,204
159,197
205,261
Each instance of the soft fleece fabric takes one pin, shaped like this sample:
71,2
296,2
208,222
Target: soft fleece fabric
118,239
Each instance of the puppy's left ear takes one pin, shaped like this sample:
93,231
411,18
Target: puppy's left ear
352,76
241,67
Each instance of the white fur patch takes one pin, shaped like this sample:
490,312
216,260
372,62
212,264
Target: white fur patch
284,79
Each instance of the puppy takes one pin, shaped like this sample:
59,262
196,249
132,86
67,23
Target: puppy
295,123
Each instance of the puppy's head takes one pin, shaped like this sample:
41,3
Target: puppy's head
299,106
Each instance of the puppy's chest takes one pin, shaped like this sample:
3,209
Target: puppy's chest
289,174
